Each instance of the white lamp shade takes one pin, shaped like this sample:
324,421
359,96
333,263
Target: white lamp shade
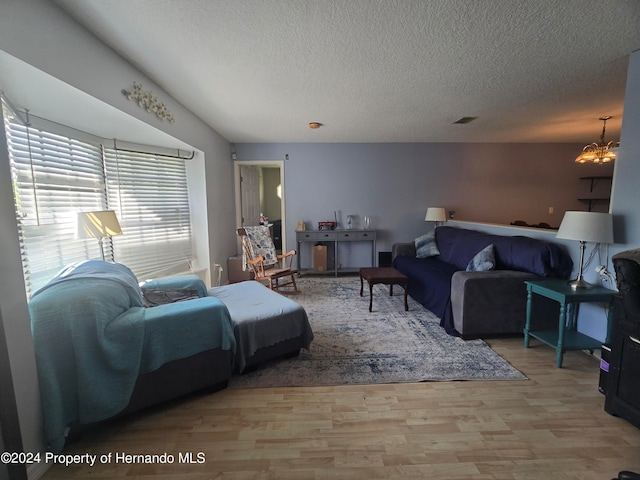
98,224
592,227
435,214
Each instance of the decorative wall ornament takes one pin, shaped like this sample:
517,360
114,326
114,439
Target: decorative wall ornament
146,99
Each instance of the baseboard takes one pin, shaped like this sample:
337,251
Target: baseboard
37,470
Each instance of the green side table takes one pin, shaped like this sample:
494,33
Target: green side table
566,337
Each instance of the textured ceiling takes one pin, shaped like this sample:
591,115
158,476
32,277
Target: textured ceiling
381,70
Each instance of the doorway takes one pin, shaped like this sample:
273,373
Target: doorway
260,190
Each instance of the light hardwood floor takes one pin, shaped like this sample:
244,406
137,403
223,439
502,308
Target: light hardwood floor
551,426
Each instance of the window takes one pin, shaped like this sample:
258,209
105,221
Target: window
56,176
149,193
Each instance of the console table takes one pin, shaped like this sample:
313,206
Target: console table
566,337
337,237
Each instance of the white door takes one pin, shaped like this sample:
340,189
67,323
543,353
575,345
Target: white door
250,195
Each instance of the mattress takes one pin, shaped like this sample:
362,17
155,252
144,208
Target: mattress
262,321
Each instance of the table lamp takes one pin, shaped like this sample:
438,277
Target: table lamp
435,214
585,227
98,225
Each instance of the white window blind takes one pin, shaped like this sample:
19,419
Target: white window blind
149,193
54,177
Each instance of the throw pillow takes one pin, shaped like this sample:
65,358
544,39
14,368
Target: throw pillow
484,260
426,245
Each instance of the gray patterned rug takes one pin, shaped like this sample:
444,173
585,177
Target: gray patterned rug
354,346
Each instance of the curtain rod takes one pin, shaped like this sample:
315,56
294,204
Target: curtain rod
167,155
26,122
193,154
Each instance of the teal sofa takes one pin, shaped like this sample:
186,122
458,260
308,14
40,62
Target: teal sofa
101,353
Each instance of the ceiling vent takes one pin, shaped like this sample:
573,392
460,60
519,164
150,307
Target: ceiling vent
464,120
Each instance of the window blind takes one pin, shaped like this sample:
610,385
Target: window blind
150,195
56,176
53,178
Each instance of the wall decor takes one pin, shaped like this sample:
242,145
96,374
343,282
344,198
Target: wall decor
146,99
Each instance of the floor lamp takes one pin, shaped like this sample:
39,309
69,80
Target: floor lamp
98,225
585,227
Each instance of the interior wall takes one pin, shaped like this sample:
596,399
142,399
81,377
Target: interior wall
14,316
395,183
626,194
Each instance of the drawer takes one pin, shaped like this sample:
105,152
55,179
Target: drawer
366,235
347,236
315,236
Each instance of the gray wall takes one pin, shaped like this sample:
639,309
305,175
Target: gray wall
395,183
626,191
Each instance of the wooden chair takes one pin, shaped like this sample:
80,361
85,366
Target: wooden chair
268,266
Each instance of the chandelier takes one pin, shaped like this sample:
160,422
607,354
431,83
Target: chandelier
598,152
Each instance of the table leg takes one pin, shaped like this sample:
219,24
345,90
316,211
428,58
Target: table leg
527,323
561,326
406,304
370,294
391,289
361,284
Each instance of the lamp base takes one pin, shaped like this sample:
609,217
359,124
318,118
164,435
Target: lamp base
579,283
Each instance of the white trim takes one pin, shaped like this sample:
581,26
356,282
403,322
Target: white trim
38,469
261,163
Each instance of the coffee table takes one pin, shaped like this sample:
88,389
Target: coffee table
386,276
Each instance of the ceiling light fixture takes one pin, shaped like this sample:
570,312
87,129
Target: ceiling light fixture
315,125
598,152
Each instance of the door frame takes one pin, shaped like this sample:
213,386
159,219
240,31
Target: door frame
260,163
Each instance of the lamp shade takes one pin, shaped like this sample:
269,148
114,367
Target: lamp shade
98,224
435,214
592,227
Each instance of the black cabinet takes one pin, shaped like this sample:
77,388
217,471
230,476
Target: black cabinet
623,386
623,389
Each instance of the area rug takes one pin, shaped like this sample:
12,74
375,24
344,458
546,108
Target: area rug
388,345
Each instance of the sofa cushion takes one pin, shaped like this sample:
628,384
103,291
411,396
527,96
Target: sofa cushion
426,245
458,246
430,281
483,261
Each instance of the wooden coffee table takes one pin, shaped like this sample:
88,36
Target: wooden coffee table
386,276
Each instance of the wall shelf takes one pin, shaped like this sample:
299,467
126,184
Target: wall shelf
592,201
594,180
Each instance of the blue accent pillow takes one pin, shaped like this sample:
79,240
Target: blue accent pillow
483,261
426,245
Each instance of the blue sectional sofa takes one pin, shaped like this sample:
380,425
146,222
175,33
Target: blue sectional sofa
479,303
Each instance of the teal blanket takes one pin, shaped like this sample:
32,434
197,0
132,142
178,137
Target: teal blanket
92,339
